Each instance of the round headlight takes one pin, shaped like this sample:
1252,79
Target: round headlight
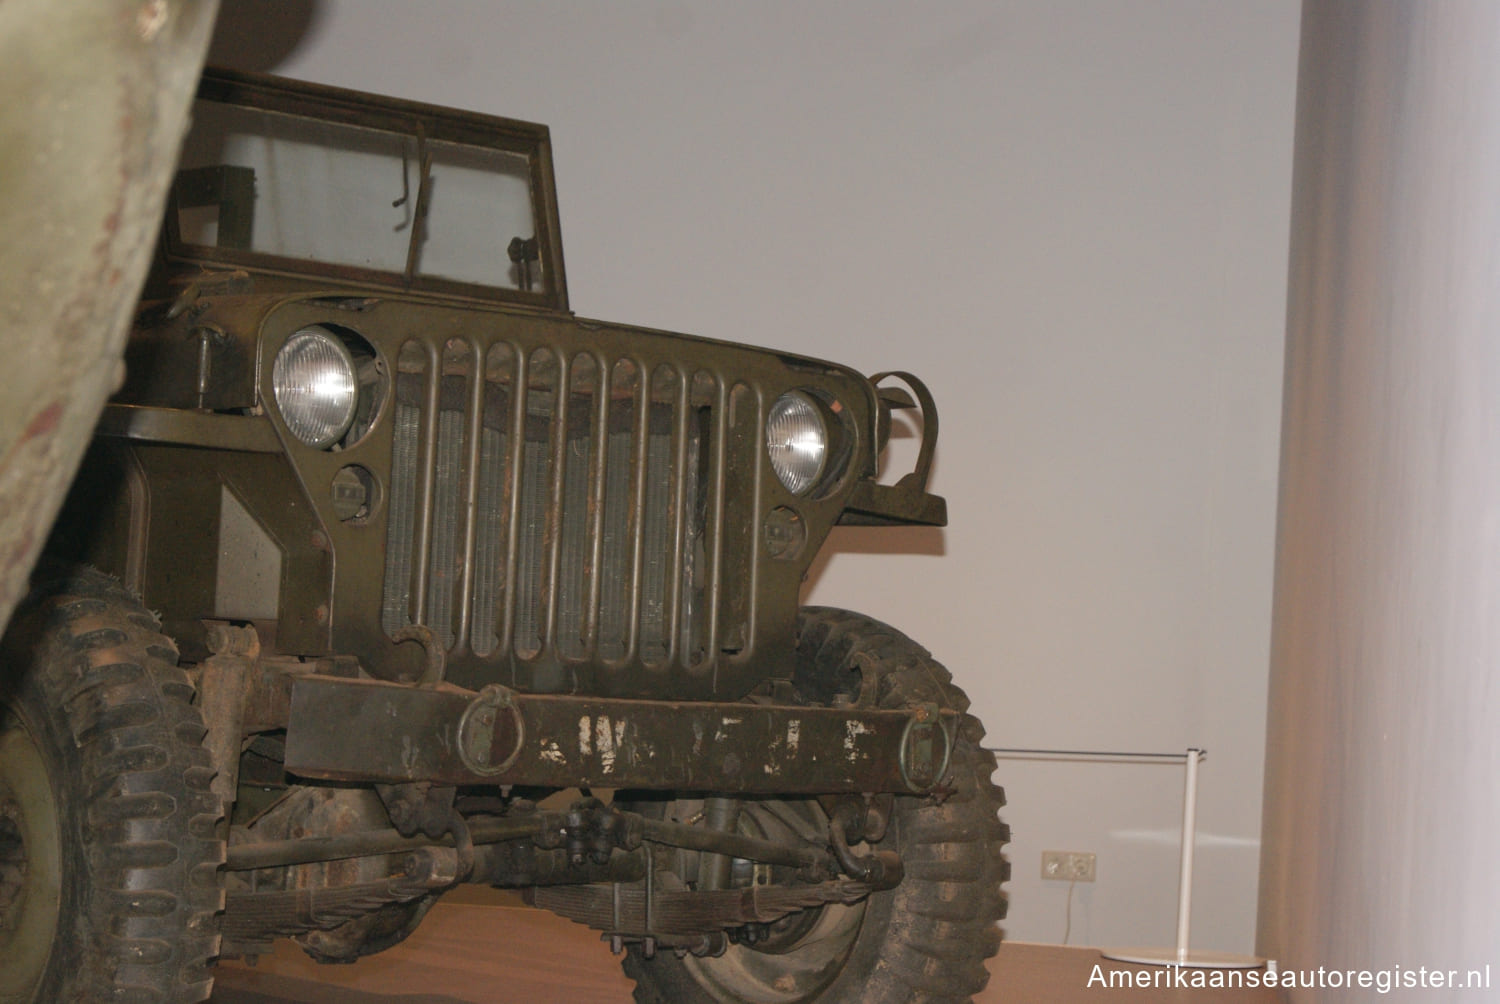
797,440
316,387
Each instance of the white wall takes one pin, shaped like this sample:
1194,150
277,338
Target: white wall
1070,218
1383,760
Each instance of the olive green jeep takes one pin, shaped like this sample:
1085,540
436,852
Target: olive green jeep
385,573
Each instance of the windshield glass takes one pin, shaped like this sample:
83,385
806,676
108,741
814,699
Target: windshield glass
311,190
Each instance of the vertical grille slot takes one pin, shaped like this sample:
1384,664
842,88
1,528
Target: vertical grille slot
581,505
740,528
429,527
658,521
447,558
515,465
541,398
615,585
492,508
395,607
704,555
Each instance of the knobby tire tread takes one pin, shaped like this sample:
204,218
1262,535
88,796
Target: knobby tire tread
143,916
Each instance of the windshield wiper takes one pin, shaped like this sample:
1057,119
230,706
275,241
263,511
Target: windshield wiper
419,215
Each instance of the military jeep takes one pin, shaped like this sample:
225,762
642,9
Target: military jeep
385,573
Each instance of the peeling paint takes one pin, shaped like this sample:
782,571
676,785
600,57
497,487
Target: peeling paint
408,753
606,743
552,754
726,722
793,735
585,735
852,731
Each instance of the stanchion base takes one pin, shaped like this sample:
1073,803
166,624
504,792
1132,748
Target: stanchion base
1192,960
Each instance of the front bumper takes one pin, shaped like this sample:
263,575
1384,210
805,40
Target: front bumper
398,733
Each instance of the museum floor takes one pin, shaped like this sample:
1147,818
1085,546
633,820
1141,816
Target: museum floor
481,947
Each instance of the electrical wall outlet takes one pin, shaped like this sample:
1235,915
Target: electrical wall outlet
1068,866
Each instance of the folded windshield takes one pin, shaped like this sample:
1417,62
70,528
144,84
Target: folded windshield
291,189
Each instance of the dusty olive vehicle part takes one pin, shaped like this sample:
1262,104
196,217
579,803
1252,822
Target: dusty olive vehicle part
432,550
98,92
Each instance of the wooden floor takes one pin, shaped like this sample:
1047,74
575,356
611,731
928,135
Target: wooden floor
482,947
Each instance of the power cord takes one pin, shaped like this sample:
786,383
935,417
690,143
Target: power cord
1068,914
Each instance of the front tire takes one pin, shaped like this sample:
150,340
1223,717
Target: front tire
928,938
108,844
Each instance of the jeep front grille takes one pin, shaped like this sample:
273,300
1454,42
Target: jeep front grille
550,510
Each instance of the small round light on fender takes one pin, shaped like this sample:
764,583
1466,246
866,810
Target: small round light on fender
785,533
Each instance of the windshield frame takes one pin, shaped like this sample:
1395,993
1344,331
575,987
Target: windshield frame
408,118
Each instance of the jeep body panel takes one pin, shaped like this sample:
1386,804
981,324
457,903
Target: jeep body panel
540,501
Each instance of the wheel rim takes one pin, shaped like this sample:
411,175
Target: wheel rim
30,861
785,973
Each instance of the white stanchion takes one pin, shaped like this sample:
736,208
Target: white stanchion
1182,955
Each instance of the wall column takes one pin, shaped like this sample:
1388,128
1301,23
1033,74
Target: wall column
1382,793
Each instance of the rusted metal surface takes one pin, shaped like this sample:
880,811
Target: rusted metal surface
907,502
337,906
268,695
573,831
392,733
272,895
97,97
221,689
311,848
796,855
683,914
256,914
518,864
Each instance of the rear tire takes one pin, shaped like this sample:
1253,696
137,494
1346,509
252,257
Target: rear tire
928,938
108,845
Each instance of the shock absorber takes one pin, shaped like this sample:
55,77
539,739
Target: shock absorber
721,814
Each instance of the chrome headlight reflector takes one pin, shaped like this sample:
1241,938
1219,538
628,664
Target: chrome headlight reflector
797,441
316,387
